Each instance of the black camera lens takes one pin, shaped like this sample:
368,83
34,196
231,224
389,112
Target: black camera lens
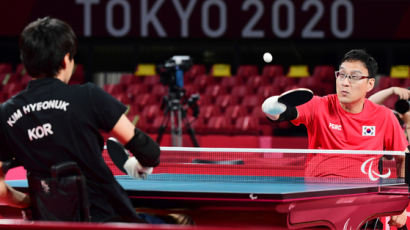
402,106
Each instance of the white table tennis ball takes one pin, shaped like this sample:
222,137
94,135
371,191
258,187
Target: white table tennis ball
267,57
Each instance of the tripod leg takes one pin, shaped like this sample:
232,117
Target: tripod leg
162,128
191,132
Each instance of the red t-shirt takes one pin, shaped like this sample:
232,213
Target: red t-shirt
331,127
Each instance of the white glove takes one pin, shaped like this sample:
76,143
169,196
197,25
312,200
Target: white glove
135,169
272,108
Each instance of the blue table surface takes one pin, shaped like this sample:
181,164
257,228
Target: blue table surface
233,184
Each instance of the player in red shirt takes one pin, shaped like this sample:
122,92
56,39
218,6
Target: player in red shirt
346,120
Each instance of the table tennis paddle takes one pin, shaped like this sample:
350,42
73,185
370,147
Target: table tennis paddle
296,97
118,153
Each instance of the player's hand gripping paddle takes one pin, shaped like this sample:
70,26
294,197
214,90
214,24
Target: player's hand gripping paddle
126,163
276,105
295,97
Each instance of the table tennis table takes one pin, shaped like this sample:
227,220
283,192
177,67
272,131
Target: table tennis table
229,200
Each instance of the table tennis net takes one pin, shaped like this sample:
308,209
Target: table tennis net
269,164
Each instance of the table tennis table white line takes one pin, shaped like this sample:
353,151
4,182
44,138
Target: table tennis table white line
274,150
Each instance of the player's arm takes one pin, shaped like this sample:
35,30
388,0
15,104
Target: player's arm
283,107
143,147
9,196
145,150
277,111
382,95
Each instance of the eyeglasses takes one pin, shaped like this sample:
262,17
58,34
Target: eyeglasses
351,78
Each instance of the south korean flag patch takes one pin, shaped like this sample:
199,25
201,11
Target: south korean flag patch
368,130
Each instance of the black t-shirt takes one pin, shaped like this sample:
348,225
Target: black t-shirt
50,122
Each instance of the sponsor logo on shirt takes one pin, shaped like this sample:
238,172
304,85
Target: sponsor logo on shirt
367,169
334,126
368,130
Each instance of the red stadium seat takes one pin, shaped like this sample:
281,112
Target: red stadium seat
199,125
247,70
6,68
246,125
213,91
193,72
150,112
2,97
202,81
149,81
251,101
156,124
229,82
218,125
78,75
255,82
241,91
135,89
159,91
235,111
128,79
205,100
328,88
399,82
266,91
407,83
25,80
272,71
141,123
283,82
133,110
190,88
384,82
11,89
13,77
309,82
20,69
114,88
325,73
122,97
258,113
143,100
223,101
208,111
4,78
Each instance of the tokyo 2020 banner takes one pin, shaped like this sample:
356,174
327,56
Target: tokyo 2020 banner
260,19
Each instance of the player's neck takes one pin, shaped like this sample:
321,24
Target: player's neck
63,76
354,107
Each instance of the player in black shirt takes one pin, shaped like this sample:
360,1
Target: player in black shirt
50,123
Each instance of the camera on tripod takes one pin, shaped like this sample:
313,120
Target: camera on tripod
175,104
172,71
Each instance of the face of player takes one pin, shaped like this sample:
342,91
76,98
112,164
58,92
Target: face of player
350,92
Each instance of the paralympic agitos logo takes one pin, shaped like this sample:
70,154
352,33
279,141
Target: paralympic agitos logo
367,169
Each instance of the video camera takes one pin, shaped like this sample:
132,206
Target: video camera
172,71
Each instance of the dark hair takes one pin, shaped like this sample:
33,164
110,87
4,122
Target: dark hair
363,56
43,45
